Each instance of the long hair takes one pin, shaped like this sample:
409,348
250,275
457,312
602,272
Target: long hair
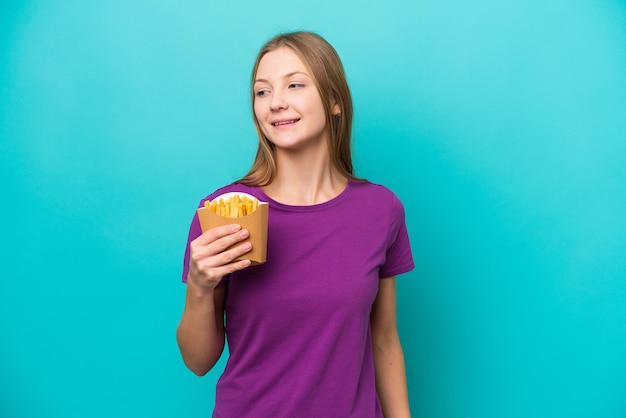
329,77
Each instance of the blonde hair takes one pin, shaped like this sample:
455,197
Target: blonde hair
329,77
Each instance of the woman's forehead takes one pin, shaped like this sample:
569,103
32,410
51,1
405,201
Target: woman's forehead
279,63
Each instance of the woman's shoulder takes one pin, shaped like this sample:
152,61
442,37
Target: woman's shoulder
375,192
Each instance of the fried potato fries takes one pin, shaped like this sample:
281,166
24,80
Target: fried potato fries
233,207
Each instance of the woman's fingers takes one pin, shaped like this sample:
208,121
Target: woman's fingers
221,244
213,252
231,268
228,256
217,239
216,233
207,271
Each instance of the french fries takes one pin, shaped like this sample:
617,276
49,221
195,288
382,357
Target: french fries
233,207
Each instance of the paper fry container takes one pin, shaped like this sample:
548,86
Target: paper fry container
255,223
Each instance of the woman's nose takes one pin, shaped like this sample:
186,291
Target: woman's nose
278,101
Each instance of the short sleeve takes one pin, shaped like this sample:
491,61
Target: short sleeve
399,258
194,232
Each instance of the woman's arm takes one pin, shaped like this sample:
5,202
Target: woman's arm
200,333
388,357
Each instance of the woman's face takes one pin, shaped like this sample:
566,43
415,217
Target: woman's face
287,105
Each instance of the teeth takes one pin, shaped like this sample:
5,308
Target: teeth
285,122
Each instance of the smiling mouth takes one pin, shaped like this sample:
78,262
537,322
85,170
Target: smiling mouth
285,122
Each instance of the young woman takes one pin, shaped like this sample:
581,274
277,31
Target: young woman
311,332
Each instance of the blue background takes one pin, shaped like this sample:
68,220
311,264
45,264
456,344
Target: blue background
501,125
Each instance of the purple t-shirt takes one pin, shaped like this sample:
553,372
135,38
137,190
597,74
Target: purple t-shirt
298,326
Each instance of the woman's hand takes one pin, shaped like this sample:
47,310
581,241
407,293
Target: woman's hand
210,260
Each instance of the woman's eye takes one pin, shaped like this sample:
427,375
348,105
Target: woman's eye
261,93
296,85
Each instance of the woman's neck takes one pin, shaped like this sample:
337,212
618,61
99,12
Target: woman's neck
303,179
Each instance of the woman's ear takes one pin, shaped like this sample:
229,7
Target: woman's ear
336,109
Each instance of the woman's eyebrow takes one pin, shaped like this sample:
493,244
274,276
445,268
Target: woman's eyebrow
262,80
